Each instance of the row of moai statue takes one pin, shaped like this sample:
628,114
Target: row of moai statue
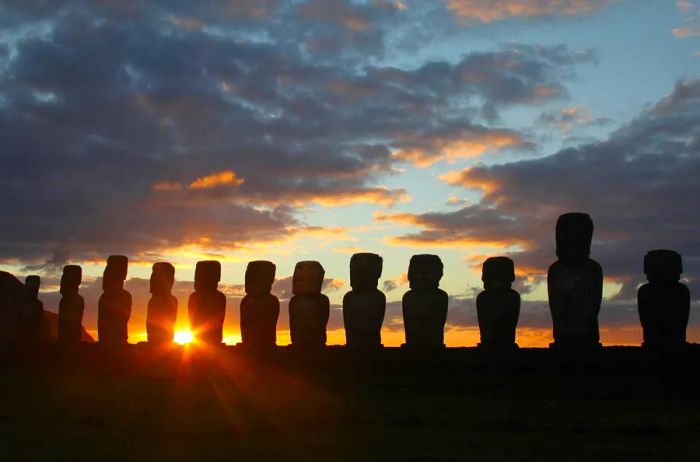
574,284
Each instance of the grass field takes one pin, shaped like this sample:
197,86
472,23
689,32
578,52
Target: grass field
140,404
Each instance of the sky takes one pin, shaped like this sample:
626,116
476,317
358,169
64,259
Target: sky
313,129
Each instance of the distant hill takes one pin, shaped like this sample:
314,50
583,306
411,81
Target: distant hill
11,299
52,319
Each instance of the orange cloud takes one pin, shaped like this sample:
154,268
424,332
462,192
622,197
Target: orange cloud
165,186
424,151
465,179
226,177
438,238
495,10
380,195
691,30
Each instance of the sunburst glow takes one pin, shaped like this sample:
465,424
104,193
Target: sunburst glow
183,337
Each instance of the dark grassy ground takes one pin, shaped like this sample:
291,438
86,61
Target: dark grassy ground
141,404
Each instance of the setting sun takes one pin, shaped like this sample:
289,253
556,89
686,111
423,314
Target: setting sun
183,337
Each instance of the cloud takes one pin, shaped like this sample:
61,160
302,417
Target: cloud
571,119
495,10
684,6
691,20
146,147
455,142
226,177
637,185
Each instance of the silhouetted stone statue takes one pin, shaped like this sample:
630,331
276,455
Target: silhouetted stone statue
664,302
114,306
575,284
36,327
309,309
259,308
71,306
12,294
162,307
364,305
207,306
498,306
425,305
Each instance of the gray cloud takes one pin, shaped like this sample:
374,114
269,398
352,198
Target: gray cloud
110,111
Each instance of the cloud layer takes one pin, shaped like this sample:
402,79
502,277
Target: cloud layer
133,127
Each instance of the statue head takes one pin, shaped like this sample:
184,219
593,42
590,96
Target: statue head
365,270
259,277
115,272
498,273
71,279
424,271
308,278
162,278
32,284
574,232
663,266
207,275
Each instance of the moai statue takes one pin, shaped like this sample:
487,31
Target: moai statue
664,302
207,306
35,323
259,308
12,295
162,307
114,306
309,309
575,284
71,306
498,306
364,305
425,305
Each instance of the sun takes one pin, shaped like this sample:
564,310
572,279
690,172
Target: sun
183,337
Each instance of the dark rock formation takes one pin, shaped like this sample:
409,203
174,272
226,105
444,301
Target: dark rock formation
309,309
364,305
114,306
498,306
575,284
71,306
207,305
12,295
162,307
259,308
664,302
425,305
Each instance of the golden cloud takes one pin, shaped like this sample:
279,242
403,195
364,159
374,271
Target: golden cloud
424,151
223,178
495,10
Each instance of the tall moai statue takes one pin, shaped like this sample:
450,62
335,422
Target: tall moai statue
425,305
575,284
36,327
259,308
71,306
498,306
664,302
162,307
114,306
207,305
309,309
364,306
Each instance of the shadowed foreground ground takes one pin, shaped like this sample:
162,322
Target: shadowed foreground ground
143,404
